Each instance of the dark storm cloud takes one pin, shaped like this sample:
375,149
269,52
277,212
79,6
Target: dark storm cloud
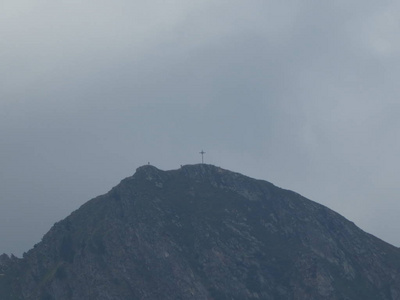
299,93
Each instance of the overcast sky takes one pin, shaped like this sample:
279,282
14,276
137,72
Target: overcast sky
303,94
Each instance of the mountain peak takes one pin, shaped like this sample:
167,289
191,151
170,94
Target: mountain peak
194,169
147,171
203,232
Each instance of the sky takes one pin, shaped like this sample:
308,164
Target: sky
303,94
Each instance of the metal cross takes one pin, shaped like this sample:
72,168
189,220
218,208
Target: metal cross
202,156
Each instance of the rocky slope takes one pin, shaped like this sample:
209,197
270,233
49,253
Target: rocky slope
202,232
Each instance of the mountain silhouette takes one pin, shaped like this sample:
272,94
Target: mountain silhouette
202,232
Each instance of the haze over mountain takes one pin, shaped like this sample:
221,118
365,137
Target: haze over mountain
203,232
301,93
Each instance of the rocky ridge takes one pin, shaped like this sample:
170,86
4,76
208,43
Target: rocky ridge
202,232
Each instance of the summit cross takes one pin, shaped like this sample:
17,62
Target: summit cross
202,156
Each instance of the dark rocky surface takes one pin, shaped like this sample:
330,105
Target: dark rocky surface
202,232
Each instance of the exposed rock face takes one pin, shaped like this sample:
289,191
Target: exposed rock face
202,232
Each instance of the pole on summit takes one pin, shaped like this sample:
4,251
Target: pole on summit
202,156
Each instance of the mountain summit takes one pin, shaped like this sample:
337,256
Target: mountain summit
202,232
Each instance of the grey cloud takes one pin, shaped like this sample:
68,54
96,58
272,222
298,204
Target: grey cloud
299,93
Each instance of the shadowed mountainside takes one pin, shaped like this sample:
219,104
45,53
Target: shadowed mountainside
202,232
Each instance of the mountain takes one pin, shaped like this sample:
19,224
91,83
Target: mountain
202,232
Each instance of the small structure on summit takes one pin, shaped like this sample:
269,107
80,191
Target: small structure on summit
202,156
